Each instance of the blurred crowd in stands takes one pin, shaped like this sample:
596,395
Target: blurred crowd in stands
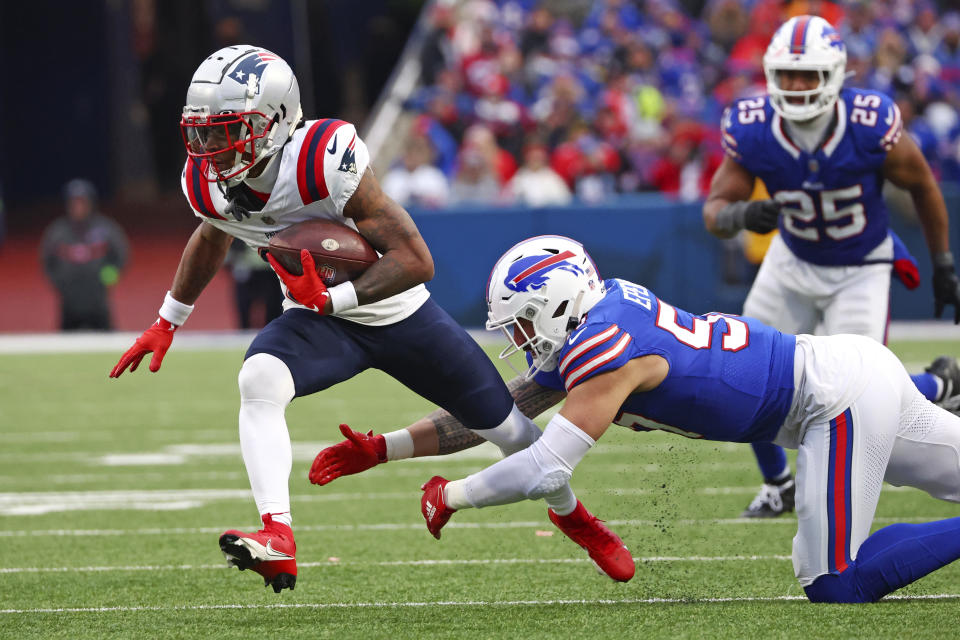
534,102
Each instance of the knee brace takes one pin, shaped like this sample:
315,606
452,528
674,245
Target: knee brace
266,378
516,432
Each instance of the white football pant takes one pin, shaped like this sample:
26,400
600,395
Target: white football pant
795,296
857,419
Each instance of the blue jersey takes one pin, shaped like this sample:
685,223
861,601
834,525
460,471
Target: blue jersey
834,212
730,378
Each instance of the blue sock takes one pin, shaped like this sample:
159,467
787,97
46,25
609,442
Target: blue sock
891,558
771,459
927,384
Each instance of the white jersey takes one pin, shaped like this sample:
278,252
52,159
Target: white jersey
320,168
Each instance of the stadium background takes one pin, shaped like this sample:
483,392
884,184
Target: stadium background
97,91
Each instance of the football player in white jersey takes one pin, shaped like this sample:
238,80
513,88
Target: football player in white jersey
255,167
823,152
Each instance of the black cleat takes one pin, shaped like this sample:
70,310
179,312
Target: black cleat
282,581
772,500
946,368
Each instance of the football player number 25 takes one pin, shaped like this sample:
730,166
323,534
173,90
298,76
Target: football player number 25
840,221
700,336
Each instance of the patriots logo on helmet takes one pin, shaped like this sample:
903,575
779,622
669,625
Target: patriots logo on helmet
530,273
252,63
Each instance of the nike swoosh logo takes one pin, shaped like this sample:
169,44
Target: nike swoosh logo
276,555
574,337
332,149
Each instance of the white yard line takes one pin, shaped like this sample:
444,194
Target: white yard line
448,603
902,331
27,503
394,563
419,526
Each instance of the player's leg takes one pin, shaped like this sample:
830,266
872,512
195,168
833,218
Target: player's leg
298,353
433,356
861,306
777,494
841,463
775,300
926,452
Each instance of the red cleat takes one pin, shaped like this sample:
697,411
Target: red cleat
434,511
606,549
270,552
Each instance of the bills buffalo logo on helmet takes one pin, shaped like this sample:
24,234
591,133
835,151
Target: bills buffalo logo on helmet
530,273
253,63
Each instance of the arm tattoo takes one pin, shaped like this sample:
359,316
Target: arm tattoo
531,398
451,435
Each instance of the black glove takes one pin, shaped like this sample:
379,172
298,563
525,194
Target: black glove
759,216
237,210
946,286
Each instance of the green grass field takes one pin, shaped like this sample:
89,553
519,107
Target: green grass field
113,494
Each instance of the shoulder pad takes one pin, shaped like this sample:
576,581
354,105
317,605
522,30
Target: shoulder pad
874,119
743,124
197,189
590,350
311,178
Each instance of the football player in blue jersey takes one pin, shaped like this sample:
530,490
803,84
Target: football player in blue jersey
621,355
823,153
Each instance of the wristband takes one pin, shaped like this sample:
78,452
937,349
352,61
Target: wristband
731,218
343,297
174,311
399,444
943,259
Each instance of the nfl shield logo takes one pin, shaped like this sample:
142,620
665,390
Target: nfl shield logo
327,273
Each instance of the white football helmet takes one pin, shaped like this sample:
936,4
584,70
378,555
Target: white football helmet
243,104
805,43
549,281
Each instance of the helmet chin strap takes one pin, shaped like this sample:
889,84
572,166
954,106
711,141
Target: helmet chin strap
574,318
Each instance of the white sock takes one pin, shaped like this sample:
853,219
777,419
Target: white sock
941,388
284,518
265,443
562,501
266,388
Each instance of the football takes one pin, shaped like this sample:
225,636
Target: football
340,253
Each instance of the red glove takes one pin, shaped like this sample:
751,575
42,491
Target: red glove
156,339
906,270
307,289
357,453
434,510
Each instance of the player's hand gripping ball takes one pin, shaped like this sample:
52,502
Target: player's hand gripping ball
339,253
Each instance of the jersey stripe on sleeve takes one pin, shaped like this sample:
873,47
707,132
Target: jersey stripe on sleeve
892,135
198,190
311,181
595,360
587,345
